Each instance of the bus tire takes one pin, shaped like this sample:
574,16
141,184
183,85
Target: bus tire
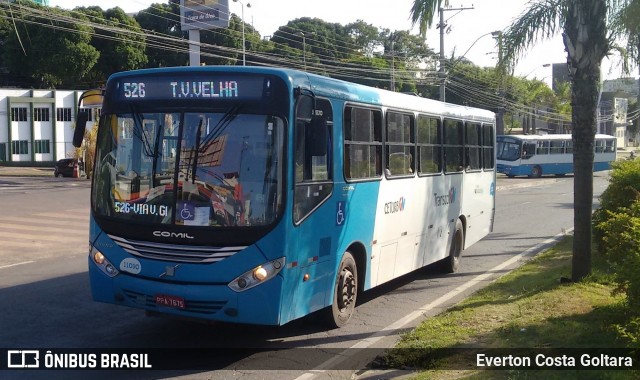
536,172
344,295
452,263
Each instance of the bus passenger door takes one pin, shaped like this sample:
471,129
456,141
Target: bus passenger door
312,216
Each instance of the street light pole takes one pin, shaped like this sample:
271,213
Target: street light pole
501,90
304,47
244,55
304,50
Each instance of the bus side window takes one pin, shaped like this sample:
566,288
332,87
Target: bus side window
610,146
453,146
400,144
528,150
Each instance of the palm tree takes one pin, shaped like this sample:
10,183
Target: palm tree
587,40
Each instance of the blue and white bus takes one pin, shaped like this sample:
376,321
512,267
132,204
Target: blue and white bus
260,195
536,155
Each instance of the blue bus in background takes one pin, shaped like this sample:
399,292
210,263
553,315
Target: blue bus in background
536,155
260,195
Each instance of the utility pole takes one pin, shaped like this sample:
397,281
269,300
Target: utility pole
442,73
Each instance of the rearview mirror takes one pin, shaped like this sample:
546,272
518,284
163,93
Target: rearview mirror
317,136
81,126
90,99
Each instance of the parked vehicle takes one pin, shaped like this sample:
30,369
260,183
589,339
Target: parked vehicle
64,167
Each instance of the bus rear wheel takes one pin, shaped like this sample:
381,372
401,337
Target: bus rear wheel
452,263
536,172
345,293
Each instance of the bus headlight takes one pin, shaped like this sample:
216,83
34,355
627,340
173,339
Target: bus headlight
101,262
257,275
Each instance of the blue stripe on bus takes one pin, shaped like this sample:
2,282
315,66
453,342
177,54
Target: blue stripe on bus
547,168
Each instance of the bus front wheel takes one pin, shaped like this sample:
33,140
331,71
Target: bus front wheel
452,262
536,172
344,295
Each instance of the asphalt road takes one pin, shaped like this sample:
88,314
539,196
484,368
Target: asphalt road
46,302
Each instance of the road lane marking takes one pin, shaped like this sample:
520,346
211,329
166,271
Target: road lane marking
65,215
16,264
48,222
403,322
63,231
31,237
23,244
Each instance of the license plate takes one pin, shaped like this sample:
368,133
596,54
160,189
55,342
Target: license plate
170,301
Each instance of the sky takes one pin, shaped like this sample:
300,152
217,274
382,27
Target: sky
467,30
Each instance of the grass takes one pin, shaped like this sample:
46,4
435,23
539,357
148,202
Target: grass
529,308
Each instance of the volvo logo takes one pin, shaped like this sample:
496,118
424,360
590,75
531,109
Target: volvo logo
167,234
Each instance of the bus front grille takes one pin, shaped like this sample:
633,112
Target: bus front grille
174,252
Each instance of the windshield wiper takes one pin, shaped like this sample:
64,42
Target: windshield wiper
194,166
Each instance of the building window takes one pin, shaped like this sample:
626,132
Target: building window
41,114
20,147
362,143
41,146
63,114
3,152
89,114
18,113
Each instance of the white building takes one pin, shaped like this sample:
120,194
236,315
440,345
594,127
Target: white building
36,126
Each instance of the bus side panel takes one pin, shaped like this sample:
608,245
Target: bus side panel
414,221
321,240
445,203
478,205
399,219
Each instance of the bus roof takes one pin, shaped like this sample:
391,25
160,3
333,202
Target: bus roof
335,88
550,137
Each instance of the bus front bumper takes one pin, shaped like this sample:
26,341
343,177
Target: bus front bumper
217,302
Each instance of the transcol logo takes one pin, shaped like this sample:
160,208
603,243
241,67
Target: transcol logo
393,207
445,199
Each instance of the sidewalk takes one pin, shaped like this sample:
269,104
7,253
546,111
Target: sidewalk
13,171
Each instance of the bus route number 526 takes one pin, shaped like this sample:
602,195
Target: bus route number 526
133,90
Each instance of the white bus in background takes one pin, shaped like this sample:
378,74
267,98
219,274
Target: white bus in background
535,155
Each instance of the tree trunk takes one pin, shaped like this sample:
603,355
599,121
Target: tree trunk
586,45
584,98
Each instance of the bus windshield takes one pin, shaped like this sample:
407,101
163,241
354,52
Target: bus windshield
215,169
508,151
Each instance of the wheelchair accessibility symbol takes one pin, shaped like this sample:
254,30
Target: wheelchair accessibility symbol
340,213
187,210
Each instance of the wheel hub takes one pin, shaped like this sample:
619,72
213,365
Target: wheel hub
347,288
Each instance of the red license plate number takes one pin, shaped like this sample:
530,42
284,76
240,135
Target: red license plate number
170,301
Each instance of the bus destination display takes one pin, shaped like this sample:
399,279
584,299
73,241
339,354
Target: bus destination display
159,88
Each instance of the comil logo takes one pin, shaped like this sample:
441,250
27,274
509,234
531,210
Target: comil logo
167,234
445,199
393,207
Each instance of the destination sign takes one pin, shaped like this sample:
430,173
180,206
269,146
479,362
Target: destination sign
196,87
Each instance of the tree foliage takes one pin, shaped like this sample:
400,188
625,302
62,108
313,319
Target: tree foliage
53,55
119,39
161,22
